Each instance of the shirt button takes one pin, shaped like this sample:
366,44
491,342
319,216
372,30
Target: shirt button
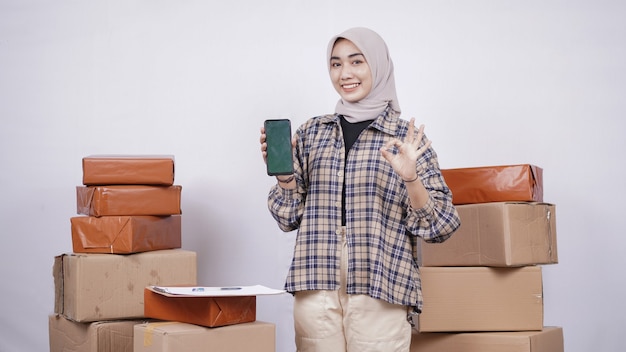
340,173
338,204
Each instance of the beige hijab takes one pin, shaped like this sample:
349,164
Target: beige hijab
383,92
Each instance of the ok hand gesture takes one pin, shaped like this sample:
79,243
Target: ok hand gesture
409,150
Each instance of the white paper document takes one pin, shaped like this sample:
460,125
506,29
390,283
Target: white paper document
204,291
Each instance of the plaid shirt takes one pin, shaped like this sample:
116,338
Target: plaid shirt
382,229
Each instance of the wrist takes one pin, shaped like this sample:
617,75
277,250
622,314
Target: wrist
287,179
413,179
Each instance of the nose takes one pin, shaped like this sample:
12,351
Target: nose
346,72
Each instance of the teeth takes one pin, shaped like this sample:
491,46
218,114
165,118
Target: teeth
350,86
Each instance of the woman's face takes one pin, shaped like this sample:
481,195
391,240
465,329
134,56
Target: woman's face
349,72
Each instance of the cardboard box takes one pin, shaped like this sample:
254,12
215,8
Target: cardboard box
128,200
481,299
498,234
104,336
506,183
93,287
550,339
178,337
128,170
205,311
125,234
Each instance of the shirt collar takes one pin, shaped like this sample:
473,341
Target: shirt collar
386,122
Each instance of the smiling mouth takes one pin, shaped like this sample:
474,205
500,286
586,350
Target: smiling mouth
350,86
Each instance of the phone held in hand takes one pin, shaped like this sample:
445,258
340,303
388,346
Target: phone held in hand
279,153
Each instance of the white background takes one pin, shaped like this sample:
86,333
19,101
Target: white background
495,82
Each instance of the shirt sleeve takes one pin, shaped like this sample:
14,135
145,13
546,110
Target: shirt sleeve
286,207
437,220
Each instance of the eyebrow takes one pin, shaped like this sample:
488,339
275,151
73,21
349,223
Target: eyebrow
349,56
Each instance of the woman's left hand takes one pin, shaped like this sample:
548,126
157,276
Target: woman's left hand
409,150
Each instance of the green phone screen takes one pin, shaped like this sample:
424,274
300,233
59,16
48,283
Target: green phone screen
279,154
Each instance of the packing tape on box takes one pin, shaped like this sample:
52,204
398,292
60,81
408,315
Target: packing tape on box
549,232
148,333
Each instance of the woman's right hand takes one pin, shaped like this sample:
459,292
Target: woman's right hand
263,142
291,183
263,145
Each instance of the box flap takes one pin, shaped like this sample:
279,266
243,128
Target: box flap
99,232
57,274
551,340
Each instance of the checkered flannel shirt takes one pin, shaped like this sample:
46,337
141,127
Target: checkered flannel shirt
382,229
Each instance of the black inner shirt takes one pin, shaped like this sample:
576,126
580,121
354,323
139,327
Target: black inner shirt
351,132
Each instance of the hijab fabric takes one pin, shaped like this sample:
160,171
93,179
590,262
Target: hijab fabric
383,92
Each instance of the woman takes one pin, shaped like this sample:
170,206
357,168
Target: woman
366,187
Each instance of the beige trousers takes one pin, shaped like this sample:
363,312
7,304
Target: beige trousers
333,321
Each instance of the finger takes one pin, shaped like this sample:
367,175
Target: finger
411,132
418,139
420,133
423,149
263,137
397,143
388,145
385,151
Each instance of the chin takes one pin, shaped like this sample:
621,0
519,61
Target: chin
352,98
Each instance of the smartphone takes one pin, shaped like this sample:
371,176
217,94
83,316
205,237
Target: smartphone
279,154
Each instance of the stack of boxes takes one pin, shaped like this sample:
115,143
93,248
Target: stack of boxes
483,288
128,237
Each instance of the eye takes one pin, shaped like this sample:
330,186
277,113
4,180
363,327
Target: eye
357,62
335,64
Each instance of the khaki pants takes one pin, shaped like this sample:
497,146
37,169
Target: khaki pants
333,321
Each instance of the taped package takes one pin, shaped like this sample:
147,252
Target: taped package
505,183
128,170
498,234
125,234
120,200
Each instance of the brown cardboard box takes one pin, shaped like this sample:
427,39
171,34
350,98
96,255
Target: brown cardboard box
128,200
506,183
128,170
92,287
481,299
498,234
550,339
205,311
125,234
181,337
104,336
